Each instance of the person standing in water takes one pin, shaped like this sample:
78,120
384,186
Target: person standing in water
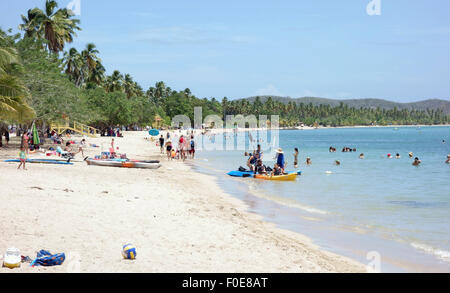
416,162
397,156
280,159
448,159
361,156
296,158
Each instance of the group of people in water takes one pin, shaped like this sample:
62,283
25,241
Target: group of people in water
255,163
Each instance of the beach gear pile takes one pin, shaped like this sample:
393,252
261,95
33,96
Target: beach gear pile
45,258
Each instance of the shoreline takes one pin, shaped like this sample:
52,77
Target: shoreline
171,216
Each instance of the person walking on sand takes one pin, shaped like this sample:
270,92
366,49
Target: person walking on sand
296,158
7,137
169,150
22,157
161,144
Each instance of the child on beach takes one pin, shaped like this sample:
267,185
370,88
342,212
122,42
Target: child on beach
296,158
23,158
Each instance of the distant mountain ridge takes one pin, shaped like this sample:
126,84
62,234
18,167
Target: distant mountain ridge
432,104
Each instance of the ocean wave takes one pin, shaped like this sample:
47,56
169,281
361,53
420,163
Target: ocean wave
441,254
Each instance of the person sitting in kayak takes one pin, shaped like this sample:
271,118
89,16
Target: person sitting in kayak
260,168
252,162
277,171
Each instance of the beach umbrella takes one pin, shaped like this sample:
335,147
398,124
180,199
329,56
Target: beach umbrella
36,139
154,132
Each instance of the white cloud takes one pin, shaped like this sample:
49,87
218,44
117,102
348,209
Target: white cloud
188,35
269,90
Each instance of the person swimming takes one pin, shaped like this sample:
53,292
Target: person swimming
411,155
448,159
416,161
308,161
361,156
337,163
397,156
389,156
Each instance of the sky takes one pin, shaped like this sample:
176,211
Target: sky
322,48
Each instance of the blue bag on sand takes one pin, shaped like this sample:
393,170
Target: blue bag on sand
45,258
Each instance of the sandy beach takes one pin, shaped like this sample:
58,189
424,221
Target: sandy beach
179,220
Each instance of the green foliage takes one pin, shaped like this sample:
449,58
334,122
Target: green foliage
77,88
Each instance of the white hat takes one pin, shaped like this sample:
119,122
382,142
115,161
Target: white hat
280,151
12,258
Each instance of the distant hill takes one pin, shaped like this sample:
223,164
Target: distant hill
365,103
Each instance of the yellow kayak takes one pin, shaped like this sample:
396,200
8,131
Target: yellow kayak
288,177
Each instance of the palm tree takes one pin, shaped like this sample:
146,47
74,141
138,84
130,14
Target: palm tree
90,56
97,75
13,93
74,66
30,24
129,86
114,82
57,27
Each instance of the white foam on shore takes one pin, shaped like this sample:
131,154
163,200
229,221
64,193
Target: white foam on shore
442,254
284,201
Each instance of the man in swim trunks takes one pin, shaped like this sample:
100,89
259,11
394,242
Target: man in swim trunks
161,144
295,157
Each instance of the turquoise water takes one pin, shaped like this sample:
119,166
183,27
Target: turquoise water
374,204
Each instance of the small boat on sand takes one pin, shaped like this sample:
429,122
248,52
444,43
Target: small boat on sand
122,163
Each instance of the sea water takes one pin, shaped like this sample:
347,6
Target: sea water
372,205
